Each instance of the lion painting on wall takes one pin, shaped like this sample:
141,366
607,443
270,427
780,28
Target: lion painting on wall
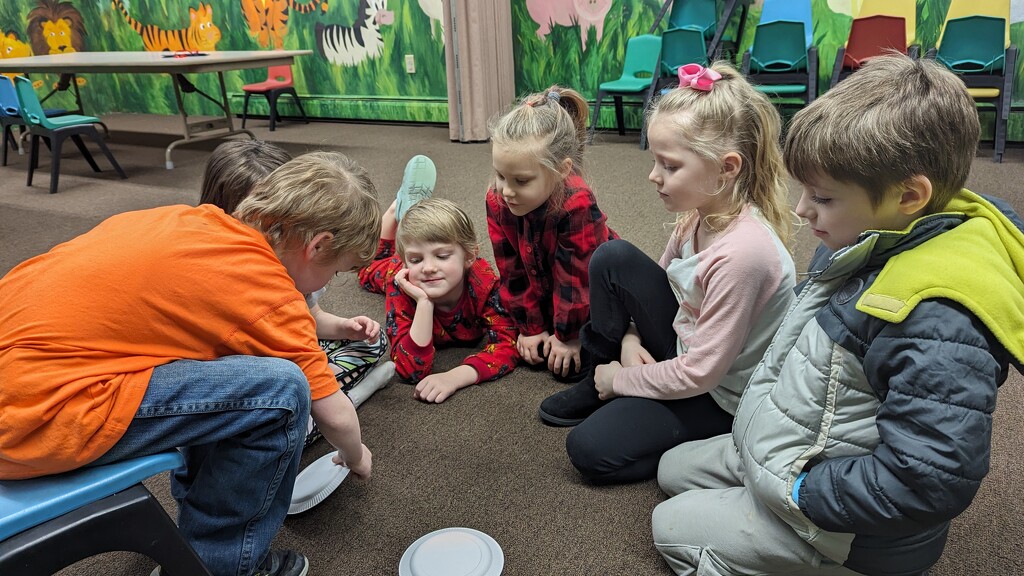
56,27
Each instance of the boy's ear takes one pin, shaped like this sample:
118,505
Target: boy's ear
916,194
472,256
732,163
318,245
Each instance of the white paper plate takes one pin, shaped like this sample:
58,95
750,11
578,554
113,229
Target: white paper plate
453,552
316,482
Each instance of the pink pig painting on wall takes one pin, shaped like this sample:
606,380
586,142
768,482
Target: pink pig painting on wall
586,13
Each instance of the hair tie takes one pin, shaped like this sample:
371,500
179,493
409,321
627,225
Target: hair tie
554,96
698,77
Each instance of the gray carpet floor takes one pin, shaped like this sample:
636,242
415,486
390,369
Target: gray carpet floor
481,459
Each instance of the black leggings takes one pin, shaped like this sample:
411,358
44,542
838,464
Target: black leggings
624,440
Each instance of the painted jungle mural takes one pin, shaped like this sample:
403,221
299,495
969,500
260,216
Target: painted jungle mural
358,65
268,19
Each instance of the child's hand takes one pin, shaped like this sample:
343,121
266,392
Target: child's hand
604,375
562,355
533,349
361,467
414,291
360,328
633,351
437,388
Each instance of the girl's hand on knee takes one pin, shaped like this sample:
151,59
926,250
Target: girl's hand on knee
533,349
633,351
563,356
604,375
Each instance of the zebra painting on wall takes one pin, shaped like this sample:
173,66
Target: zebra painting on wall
350,45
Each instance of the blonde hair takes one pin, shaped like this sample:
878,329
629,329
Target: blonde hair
733,117
235,168
313,193
436,220
552,126
893,119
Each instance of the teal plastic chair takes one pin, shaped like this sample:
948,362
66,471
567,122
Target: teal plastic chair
790,11
679,46
638,71
699,15
10,115
779,64
56,130
976,48
49,523
974,45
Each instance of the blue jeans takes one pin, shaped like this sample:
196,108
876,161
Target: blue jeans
240,422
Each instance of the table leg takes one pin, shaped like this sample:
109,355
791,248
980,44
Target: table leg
201,130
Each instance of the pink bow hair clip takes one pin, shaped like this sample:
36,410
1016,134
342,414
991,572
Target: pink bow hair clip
698,77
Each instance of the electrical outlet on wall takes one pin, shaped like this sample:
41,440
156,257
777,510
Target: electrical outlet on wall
410,64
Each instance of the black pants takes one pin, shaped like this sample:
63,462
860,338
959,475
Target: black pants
624,439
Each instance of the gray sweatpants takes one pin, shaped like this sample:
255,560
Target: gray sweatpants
712,525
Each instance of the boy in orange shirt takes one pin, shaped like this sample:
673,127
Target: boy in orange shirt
182,327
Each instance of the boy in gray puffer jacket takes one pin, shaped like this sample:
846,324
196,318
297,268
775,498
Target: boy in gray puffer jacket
866,427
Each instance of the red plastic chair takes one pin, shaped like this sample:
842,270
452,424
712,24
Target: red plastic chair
278,82
869,37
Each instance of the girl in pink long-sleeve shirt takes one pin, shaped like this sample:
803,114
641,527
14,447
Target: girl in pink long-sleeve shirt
675,341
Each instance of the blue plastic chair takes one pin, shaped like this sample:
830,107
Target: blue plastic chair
638,71
56,130
49,523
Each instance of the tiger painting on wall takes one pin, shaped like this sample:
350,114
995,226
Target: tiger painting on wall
201,34
268,19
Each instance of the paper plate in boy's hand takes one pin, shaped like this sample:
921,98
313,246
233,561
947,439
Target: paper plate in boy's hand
453,552
316,483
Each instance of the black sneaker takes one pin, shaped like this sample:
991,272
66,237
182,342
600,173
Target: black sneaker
283,563
572,405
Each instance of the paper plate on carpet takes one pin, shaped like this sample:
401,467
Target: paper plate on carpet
453,552
316,482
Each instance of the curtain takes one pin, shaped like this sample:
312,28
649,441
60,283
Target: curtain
478,55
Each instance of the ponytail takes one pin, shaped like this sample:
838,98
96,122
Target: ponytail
552,125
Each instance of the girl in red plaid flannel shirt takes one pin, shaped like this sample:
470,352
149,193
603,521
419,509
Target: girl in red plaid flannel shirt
544,225
438,292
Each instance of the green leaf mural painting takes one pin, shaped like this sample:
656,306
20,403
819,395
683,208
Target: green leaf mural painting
358,66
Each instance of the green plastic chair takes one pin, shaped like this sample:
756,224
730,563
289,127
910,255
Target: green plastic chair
638,71
56,130
780,64
699,15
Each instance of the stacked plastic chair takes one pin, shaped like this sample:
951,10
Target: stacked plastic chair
10,115
279,82
880,26
975,44
55,130
52,522
638,71
782,62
